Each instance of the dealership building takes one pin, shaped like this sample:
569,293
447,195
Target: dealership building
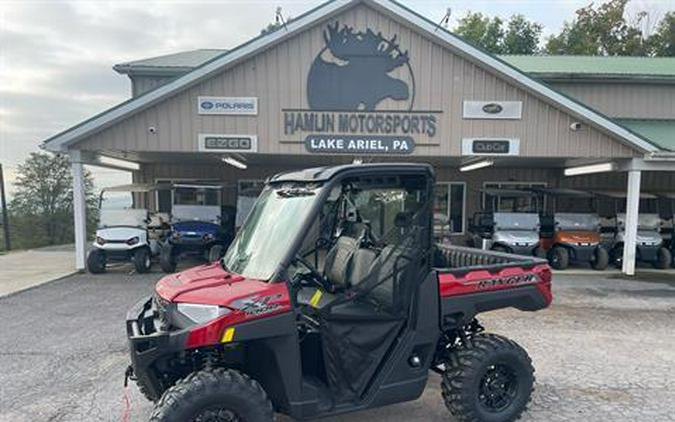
372,80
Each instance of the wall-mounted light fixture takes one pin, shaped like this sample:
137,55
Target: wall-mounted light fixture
118,163
234,162
589,169
477,165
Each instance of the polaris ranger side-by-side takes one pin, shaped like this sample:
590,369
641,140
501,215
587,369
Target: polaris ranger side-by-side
333,298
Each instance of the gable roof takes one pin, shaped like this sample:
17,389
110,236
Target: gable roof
547,67
634,69
661,132
60,141
169,64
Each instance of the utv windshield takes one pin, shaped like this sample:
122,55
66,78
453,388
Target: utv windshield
116,200
276,220
577,221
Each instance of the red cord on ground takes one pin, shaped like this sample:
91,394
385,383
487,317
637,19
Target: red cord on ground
127,406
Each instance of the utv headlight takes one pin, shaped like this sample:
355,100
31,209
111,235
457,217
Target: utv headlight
201,313
133,241
100,240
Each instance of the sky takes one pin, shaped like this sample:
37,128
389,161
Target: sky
56,57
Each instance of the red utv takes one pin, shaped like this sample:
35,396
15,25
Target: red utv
333,299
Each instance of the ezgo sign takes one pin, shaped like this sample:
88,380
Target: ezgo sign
227,105
208,142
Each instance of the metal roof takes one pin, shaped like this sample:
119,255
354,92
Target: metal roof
425,26
174,64
575,67
595,67
661,132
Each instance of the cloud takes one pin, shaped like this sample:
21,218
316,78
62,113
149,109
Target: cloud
56,56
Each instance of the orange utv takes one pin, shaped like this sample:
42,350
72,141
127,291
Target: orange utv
571,237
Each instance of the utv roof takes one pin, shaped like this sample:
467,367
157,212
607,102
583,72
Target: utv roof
563,192
507,192
134,187
319,174
196,186
622,195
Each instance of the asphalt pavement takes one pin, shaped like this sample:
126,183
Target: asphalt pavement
603,352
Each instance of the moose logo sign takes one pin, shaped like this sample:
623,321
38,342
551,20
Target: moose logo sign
360,93
352,71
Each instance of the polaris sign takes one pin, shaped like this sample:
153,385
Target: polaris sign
228,105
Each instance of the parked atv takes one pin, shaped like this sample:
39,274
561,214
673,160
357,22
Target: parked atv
649,243
196,228
126,233
667,212
312,322
571,237
509,232
650,247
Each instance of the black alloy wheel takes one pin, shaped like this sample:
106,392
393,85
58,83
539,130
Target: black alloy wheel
498,388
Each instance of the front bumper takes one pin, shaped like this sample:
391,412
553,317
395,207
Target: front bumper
523,249
582,253
648,253
149,342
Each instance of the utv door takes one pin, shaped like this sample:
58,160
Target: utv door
375,334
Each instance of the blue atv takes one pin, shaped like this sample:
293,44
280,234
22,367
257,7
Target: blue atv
197,226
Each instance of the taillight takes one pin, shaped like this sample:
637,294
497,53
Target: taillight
544,285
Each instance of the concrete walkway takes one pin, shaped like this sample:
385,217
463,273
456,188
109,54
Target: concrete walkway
22,270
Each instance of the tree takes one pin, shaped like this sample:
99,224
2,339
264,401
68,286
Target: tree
271,27
521,36
42,207
601,31
662,42
481,31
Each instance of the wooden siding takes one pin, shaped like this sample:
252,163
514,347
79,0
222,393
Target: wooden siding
444,79
625,100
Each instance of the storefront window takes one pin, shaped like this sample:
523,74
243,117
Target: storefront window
449,200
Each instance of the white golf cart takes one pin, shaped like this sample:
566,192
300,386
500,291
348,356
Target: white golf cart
126,233
512,227
650,245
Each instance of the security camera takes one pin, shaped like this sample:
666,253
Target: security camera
152,130
575,126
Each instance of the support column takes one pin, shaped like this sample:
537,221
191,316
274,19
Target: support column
79,210
632,211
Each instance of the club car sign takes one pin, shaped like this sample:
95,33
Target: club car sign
347,82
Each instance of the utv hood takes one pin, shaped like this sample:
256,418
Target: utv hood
211,285
578,236
517,237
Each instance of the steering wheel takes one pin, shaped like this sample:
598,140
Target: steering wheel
316,277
